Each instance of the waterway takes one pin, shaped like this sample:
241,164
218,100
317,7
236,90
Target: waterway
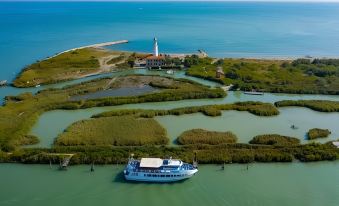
279,184
243,124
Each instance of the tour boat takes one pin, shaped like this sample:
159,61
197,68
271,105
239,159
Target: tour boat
158,170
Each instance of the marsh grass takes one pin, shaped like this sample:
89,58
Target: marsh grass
318,133
256,108
116,131
200,136
275,140
317,105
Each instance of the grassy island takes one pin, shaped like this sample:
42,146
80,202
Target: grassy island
117,131
317,105
256,108
275,140
200,136
69,65
318,133
20,112
302,76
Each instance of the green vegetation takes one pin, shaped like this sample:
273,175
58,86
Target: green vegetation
317,105
117,131
256,108
318,133
320,76
20,112
316,152
65,66
275,140
200,136
225,153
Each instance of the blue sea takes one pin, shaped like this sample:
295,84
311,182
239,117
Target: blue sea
34,30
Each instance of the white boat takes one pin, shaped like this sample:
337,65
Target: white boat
158,170
38,85
253,93
170,71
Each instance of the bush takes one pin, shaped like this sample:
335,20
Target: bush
318,133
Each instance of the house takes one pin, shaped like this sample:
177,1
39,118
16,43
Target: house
155,61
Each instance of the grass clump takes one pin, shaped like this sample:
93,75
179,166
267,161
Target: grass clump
116,131
317,105
318,133
200,136
275,140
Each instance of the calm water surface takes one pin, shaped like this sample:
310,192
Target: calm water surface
276,184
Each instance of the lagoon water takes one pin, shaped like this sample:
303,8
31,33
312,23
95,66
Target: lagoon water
31,31
308,184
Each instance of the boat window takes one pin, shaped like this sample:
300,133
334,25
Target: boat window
168,175
162,175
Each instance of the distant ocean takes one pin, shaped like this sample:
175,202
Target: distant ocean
31,31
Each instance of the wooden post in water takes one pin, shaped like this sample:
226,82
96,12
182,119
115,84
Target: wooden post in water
195,161
92,167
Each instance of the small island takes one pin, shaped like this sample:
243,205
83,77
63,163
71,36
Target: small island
318,133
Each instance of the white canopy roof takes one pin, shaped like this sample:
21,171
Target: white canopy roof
151,162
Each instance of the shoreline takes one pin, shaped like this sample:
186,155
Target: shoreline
98,45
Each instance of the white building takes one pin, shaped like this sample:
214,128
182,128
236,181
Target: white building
156,60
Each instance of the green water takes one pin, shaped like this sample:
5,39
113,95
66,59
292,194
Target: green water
310,184
246,125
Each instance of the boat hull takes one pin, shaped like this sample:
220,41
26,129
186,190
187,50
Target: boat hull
159,177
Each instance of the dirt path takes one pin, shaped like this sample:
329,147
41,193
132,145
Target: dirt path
104,67
110,82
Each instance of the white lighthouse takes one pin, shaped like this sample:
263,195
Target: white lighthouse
155,60
155,47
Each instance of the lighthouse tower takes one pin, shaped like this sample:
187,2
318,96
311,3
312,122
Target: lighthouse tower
155,48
